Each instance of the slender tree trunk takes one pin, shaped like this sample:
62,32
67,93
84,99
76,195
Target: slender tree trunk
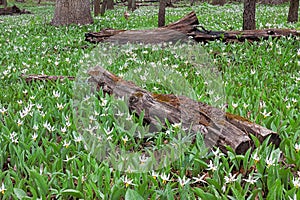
129,6
4,3
161,13
293,11
103,7
96,7
133,5
110,4
249,15
72,12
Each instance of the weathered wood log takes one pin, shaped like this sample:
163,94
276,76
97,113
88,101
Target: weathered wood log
189,27
170,33
241,36
14,10
38,77
218,128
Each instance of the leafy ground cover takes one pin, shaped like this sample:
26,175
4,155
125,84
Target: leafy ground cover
43,155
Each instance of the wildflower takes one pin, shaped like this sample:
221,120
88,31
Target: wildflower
176,125
218,153
265,114
66,144
60,106
165,178
125,139
35,127
253,71
56,94
19,102
46,125
127,181
251,179
78,139
296,182
154,174
129,117
19,122
183,181
256,158
231,178
34,136
15,140
63,129
246,105
297,147
270,162
39,106
143,159
68,123
199,179
2,189
211,166
3,110
235,105
92,118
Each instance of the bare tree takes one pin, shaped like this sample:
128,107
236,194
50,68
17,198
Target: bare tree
249,15
96,7
161,13
72,12
293,11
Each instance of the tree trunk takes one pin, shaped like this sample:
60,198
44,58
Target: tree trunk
293,11
4,3
72,12
129,6
96,7
103,7
161,13
133,5
110,4
249,15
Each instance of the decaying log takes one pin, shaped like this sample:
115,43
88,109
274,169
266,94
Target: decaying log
170,33
38,77
189,27
14,10
218,128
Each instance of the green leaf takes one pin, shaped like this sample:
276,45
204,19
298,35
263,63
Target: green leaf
41,184
20,193
72,192
131,194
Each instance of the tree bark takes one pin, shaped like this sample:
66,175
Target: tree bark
96,7
249,15
161,13
129,6
72,12
293,11
110,4
103,7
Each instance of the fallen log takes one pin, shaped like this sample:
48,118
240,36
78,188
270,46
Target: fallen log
190,28
219,128
14,10
39,77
